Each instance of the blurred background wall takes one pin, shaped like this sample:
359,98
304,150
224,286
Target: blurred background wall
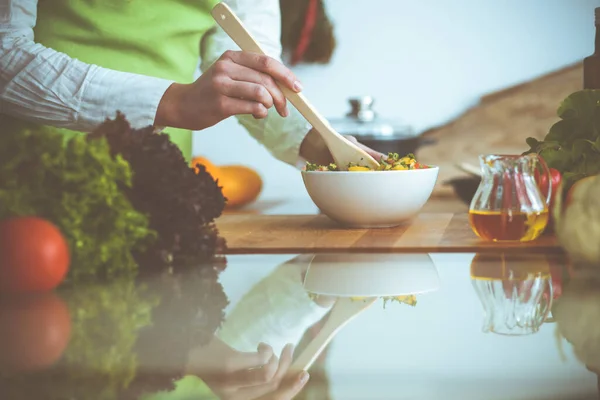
425,62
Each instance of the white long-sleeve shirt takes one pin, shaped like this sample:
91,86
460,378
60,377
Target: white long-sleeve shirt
45,86
277,310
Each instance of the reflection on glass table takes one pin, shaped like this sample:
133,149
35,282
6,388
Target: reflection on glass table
136,338
516,292
357,281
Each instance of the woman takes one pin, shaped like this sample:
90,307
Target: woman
70,65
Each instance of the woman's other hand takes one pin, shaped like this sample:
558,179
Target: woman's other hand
237,83
289,389
313,149
236,375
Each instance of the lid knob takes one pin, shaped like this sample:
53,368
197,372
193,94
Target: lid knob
362,108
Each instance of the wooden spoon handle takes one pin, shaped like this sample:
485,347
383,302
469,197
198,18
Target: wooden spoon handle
343,311
232,25
316,346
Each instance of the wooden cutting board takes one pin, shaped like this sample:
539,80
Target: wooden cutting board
298,234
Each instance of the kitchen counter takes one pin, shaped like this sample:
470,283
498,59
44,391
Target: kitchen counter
483,328
457,342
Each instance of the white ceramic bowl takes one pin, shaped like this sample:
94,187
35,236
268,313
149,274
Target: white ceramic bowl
370,199
371,275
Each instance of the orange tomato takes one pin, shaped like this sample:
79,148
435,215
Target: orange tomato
210,167
241,185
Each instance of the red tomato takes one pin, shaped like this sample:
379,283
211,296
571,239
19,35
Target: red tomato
556,272
35,331
542,181
34,255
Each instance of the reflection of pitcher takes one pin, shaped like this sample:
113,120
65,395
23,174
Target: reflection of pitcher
515,292
508,205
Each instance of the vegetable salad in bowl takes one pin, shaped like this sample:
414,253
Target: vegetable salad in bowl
358,198
393,162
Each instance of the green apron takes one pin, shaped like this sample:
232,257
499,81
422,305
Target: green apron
158,38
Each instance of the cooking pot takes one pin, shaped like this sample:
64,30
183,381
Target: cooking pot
383,135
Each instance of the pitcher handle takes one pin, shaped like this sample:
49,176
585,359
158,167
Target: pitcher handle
549,175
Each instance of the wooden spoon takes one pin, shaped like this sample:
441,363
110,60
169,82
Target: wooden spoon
342,150
342,312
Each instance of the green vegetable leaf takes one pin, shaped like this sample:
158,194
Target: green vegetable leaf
102,356
106,321
581,105
77,186
532,142
572,145
580,148
311,166
558,158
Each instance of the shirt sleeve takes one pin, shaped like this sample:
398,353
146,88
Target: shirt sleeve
281,136
45,86
276,311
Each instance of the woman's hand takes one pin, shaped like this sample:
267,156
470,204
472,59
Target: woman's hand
289,388
236,375
237,83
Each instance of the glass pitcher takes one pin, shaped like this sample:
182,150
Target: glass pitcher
508,205
516,292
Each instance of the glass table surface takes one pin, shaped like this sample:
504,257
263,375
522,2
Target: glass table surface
421,326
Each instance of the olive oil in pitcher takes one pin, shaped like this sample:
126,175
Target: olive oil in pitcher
508,204
508,226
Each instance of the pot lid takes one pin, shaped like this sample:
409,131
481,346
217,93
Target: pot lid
363,121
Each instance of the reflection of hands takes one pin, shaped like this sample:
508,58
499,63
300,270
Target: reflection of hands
288,389
236,375
324,301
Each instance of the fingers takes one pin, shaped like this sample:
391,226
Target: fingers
244,369
285,361
254,376
373,153
241,82
288,389
267,65
229,106
275,379
243,73
250,92
263,354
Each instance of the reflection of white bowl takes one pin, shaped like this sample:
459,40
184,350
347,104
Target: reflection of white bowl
371,275
373,199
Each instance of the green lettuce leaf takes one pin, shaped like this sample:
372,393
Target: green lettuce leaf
572,145
77,185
